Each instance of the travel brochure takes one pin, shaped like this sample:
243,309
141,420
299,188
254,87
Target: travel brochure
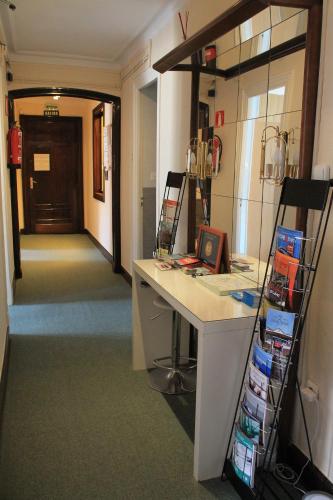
283,280
249,424
289,241
269,360
244,457
262,360
280,322
258,382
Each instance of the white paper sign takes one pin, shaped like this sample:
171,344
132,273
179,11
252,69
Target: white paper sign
41,162
107,147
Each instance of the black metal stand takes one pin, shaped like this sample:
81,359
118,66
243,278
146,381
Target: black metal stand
303,195
170,213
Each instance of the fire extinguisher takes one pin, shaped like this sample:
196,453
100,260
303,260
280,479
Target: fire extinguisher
15,145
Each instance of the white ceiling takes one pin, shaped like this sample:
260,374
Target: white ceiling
86,30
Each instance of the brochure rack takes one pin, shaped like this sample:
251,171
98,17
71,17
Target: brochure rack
304,196
170,213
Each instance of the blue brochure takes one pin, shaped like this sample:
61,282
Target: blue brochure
262,360
288,241
280,322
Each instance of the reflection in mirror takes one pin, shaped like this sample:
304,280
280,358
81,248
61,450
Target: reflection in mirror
286,84
228,59
227,41
223,184
255,46
290,122
247,185
280,14
226,94
256,25
206,101
246,234
251,98
290,29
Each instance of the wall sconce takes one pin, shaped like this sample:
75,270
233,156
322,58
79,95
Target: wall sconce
203,158
279,167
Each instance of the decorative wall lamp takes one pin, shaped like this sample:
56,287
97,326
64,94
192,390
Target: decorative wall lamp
279,166
203,158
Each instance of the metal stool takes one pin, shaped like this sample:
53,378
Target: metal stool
173,378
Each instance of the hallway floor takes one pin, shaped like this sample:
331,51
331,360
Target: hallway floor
78,423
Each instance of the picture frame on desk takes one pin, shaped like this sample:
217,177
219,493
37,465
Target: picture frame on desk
212,249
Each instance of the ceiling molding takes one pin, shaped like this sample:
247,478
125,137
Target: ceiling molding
63,59
140,61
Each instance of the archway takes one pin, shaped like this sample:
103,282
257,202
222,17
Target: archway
83,94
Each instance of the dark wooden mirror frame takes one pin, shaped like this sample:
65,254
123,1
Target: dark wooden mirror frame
116,112
230,19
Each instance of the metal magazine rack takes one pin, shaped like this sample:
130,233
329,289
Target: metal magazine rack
170,213
268,437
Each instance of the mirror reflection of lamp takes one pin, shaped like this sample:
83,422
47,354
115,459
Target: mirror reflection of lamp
280,166
293,163
203,158
192,158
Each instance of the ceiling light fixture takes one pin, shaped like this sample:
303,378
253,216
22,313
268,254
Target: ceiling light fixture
10,4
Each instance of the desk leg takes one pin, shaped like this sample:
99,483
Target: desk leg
221,359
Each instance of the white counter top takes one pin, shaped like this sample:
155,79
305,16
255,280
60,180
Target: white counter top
198,300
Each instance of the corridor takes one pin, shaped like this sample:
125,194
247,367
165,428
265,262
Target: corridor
78,423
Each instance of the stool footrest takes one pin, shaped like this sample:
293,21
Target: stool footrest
172,382
158,362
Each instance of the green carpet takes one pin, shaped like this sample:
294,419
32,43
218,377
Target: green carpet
78,423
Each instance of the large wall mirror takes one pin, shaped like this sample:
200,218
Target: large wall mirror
259,93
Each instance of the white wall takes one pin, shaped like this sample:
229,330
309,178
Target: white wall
318,342
97,214
6,261
5,180
173,117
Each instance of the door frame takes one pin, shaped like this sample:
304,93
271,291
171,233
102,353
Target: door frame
116,117
79,167
143,80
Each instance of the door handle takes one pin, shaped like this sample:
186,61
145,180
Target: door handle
32,182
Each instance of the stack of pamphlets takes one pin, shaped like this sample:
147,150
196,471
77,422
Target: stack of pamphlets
278,339
169,210
224,284
269,359
283,280
244,457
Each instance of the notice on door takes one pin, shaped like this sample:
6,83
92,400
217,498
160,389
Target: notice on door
41,162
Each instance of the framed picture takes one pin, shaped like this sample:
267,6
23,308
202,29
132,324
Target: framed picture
212,249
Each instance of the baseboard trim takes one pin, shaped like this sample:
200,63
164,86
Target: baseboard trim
4,377
14,286
127,277
312,478
100,247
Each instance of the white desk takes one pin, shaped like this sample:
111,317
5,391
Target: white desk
224,329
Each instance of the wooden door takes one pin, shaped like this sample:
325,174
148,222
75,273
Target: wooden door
52,174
